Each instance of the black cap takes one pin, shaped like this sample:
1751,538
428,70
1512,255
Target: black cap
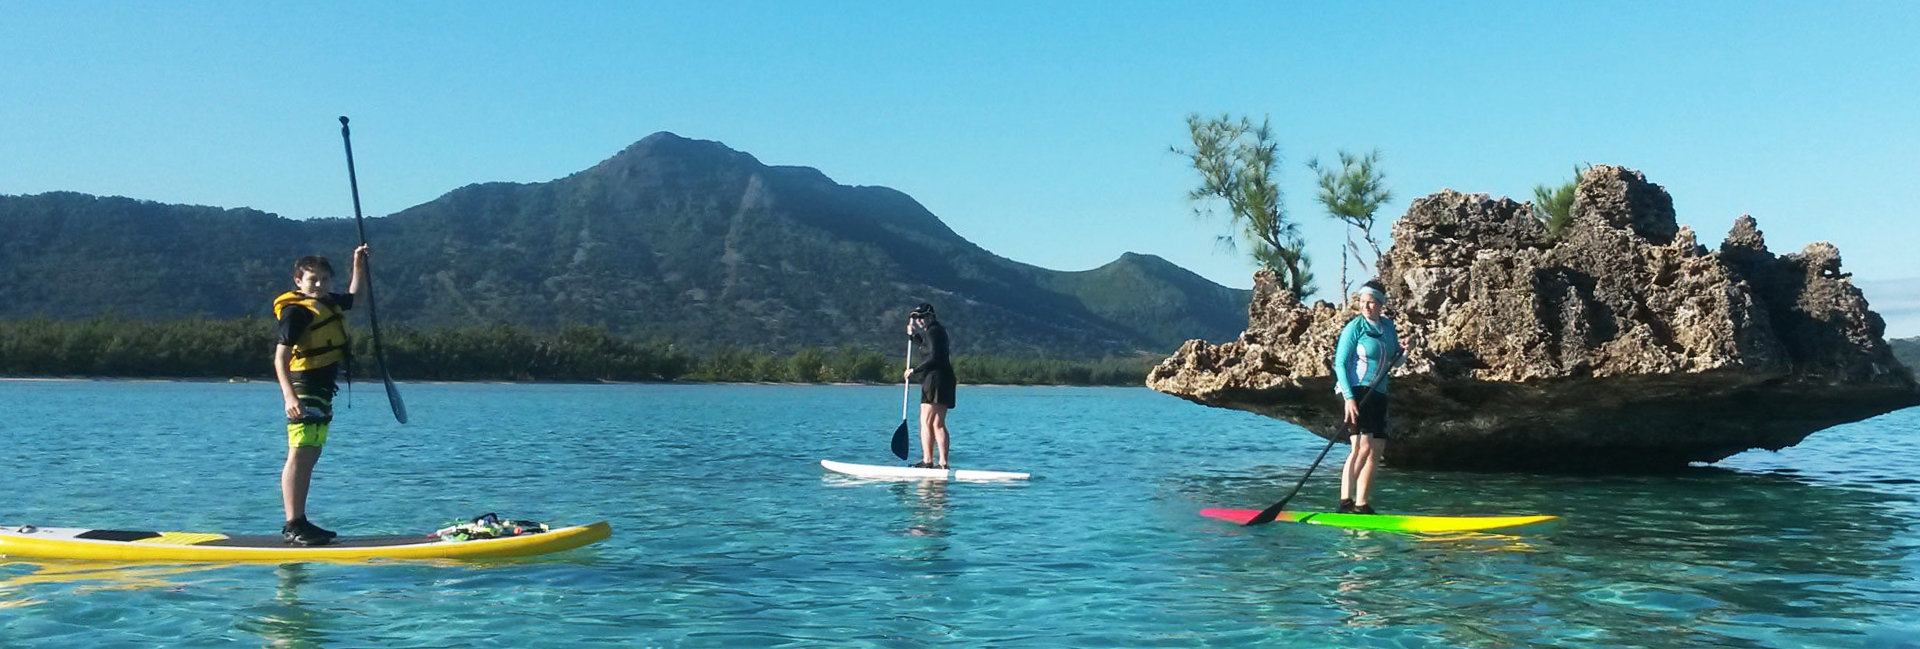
923,310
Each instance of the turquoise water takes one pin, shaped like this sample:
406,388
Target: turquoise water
728,534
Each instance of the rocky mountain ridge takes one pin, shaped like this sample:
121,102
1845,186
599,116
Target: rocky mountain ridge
671,238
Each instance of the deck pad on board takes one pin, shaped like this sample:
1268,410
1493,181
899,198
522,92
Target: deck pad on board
268,541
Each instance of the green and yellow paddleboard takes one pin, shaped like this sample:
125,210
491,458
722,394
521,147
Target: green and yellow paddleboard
1392,523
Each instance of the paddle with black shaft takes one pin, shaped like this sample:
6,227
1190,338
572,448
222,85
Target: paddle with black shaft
906,389
373,315
1267,515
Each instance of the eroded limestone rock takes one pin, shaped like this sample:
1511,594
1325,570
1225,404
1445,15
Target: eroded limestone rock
1623,344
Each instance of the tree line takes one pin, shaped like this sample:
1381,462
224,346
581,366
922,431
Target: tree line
206,348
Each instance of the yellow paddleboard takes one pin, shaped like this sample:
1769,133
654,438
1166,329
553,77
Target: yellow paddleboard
127,545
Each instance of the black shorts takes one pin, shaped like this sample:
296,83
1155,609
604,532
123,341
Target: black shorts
1373,413
936,387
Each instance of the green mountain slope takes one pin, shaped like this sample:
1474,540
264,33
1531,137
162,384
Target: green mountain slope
671,238
1907,350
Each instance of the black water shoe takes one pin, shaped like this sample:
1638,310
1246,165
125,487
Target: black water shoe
301,532
329,534
1363,509
295,534
1346,506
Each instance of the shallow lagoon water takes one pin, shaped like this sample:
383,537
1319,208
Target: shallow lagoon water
728,534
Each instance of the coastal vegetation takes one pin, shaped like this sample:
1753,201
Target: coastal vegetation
109,346
1352,195
1238,164
1553,206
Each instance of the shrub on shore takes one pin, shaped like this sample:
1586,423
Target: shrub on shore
202,348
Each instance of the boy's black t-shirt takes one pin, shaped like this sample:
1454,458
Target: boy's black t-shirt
294,319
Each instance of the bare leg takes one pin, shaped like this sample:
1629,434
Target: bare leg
1363,482
295,477
938,415
926,434
1348,469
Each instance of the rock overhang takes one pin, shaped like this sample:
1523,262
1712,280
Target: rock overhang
1620,344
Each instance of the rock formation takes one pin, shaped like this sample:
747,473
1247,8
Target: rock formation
1621,344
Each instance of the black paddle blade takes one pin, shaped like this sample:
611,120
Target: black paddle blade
393,399
1267,515
380,354
900,440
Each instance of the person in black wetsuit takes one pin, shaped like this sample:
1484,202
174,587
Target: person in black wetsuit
936,384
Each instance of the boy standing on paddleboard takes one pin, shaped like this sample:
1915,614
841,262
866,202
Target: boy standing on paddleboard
1368,344
936,384
313,344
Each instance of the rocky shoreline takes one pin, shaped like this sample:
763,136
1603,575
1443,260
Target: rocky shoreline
1620,345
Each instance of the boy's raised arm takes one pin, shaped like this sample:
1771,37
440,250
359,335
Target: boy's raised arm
357,285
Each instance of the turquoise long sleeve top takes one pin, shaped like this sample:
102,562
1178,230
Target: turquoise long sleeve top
1362,355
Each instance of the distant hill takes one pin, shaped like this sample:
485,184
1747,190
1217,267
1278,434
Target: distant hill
1908,351
671,238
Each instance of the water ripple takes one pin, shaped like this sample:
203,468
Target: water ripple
727,533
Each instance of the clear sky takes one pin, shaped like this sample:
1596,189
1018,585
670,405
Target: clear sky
1039,131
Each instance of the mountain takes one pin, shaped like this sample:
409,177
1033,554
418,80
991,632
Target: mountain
1907,351
671,238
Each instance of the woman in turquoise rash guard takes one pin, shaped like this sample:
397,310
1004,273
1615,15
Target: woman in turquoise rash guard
1366,345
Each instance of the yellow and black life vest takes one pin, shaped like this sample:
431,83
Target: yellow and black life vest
325,340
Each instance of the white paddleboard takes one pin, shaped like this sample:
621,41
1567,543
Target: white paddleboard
910,473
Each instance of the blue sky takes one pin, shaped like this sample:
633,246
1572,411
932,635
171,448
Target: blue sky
1039,132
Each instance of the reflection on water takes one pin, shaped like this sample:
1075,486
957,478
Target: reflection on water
723,540
1686,558
927,499
84,576
287,621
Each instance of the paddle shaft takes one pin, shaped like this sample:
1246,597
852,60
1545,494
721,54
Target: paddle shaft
373,313
906,388
906,384
1269,514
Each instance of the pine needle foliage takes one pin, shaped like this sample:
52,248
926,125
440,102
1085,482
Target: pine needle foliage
1352,195
1553,206
1238,164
